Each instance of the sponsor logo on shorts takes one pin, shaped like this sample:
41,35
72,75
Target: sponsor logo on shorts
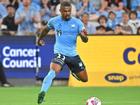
80,64
115,77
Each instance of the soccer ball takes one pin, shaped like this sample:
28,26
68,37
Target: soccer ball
93,101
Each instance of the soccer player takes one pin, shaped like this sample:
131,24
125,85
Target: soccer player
67,29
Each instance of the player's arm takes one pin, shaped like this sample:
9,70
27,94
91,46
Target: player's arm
83,36
44,32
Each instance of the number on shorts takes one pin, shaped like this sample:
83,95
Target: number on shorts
59,56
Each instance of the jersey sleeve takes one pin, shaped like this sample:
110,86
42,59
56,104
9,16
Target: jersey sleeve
50,24
17,14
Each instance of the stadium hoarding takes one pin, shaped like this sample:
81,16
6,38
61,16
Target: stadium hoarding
110,61
18,56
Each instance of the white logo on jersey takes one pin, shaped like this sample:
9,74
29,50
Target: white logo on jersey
73,25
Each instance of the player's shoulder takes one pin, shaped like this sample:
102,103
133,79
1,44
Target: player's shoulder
76,20
56,18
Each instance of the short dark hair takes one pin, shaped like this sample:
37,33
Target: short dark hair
10,5
133,12
65,4
85,13
112,12
102,17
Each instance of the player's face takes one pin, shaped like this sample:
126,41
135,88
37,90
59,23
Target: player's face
26,2
66,12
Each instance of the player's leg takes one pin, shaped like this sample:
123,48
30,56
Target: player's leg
77,68
55,67
82,75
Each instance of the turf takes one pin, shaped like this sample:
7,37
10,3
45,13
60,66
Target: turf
70,95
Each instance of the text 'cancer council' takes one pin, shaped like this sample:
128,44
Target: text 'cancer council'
131,60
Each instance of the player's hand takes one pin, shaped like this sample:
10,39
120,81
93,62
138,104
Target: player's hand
40,42
83,36
84,32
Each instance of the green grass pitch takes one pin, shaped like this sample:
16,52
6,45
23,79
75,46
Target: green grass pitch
70,95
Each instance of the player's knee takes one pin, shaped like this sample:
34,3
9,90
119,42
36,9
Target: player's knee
84,80
56,67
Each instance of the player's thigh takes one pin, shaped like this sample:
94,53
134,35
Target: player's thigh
77,67
57,62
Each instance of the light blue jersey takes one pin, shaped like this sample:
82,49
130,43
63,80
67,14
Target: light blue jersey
66,33
3,11
27,25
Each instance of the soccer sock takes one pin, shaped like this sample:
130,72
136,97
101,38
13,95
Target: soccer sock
48,80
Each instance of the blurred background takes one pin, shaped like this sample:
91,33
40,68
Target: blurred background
112,55
109,23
